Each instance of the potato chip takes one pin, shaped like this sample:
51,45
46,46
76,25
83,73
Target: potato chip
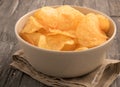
69,46
81,48
47,16
43,31
54,32
52,43
69,18
42,42
88,32
31,26
32,38
103,23
57,42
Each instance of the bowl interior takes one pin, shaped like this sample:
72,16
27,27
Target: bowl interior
112,31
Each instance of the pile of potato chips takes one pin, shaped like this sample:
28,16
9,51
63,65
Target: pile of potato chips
65,29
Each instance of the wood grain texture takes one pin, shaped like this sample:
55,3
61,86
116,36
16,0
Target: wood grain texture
89,3
5,53
54,2
114,7
26,82
114,50
12,10
13,79
102,6
73,2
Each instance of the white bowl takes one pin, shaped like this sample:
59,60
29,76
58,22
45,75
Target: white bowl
65,64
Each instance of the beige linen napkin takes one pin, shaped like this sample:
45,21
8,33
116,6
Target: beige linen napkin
101,77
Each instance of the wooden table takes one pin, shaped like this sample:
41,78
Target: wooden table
12,10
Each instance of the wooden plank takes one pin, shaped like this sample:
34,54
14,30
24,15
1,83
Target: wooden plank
54,2
27,81
5,58
37,4
5,53
114,51
7,7
10,77
114,7
99,5
13,11
89,4
4,75
14,78
73,2
102,6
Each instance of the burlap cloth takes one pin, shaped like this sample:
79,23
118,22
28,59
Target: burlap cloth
101,77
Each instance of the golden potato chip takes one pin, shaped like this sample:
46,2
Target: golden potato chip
69,46
43,31
57,42
42,42
81,48
103,23
47,16
32,38
31,26
54,32
69,17
52,43
88,32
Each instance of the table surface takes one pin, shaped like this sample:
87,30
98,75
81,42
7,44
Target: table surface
12,10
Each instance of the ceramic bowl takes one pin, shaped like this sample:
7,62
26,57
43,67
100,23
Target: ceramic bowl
65,64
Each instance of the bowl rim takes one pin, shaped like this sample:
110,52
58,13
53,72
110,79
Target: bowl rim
56,51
